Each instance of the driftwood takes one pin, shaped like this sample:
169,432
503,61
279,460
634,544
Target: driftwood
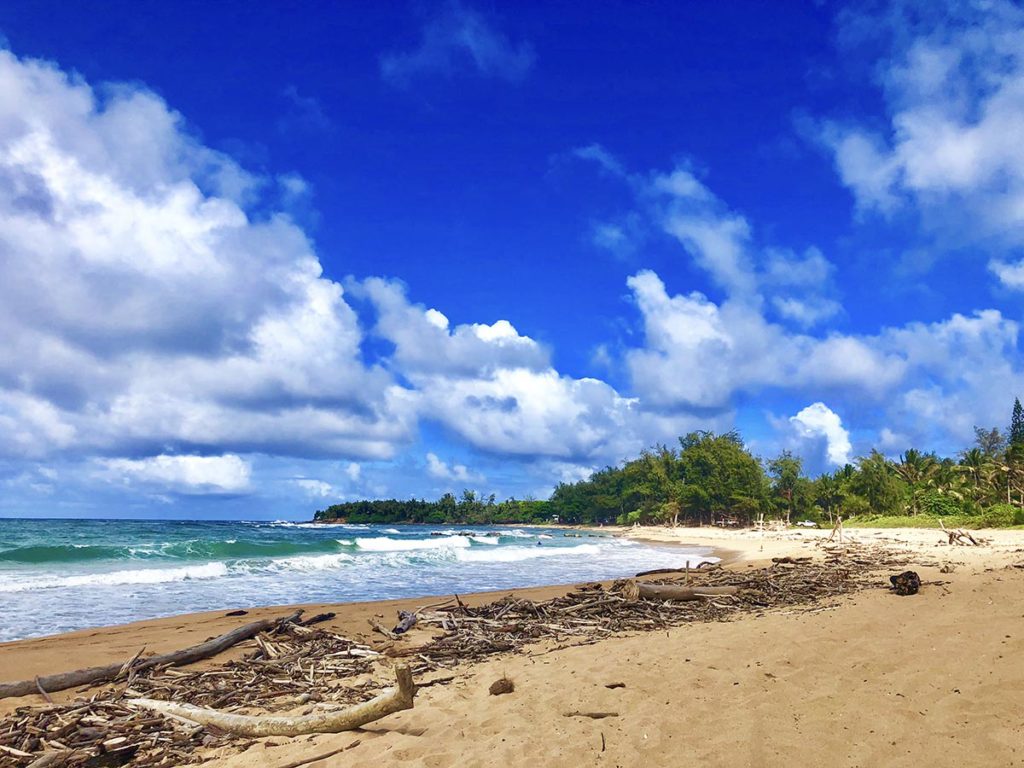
704,565
92,675
958,536
406,621
350,718
591,715
837,528
636,590
291,665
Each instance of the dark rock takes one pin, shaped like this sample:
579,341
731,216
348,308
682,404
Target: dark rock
906,583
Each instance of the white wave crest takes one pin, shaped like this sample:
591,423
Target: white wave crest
385,544
516,533
485,539
515,554
310,562
391,530
345,542
116,578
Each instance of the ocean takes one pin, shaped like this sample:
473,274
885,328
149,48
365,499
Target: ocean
62,575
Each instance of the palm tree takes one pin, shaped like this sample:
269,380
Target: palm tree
978,468
829,494
919,471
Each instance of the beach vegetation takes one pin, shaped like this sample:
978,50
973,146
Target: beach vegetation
714,479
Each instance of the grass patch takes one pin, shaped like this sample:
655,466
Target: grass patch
925,521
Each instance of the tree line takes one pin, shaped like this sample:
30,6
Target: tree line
713,478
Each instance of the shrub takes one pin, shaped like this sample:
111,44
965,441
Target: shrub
855,506
940,504
1000,516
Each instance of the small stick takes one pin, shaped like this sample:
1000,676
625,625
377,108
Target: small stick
591,715
43,691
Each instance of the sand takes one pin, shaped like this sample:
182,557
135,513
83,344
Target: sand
871,679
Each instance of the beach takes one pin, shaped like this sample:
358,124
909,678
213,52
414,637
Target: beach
866,679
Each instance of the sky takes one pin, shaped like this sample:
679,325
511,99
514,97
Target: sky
259,258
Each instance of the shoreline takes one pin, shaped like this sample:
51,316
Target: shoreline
800,681
107,644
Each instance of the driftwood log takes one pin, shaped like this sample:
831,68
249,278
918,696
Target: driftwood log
636,590
393,700
91,675
406,621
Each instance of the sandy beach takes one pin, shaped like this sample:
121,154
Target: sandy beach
863,680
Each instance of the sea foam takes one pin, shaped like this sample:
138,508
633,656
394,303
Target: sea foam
116,578
386,544
515,554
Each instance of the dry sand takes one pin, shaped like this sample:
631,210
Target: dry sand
869,680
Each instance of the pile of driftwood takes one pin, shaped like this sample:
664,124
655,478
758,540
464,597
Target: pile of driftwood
325,681
285,665
592,611
959,536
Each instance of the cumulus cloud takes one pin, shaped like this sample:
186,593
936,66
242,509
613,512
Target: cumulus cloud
426,344
440,470
186,474
933,381
497,390
953,83
455,39
799,288
144,308
818,421
699,355
1010,274
313,487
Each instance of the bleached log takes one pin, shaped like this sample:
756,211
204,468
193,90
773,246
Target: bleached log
636,590
393,700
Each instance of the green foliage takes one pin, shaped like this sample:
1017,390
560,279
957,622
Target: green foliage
1000,516
445,511
940,504
876,482
1017,425
713,478
790,489
990,442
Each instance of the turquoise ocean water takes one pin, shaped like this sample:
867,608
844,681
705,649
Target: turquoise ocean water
61,575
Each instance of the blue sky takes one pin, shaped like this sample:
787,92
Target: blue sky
255,259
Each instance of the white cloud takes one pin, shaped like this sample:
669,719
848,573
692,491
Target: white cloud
317,488
186,474
424,342
720,241
1010,274
440,470
459,38
954,92
143,308
698,354
819,421
806,313
497,390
